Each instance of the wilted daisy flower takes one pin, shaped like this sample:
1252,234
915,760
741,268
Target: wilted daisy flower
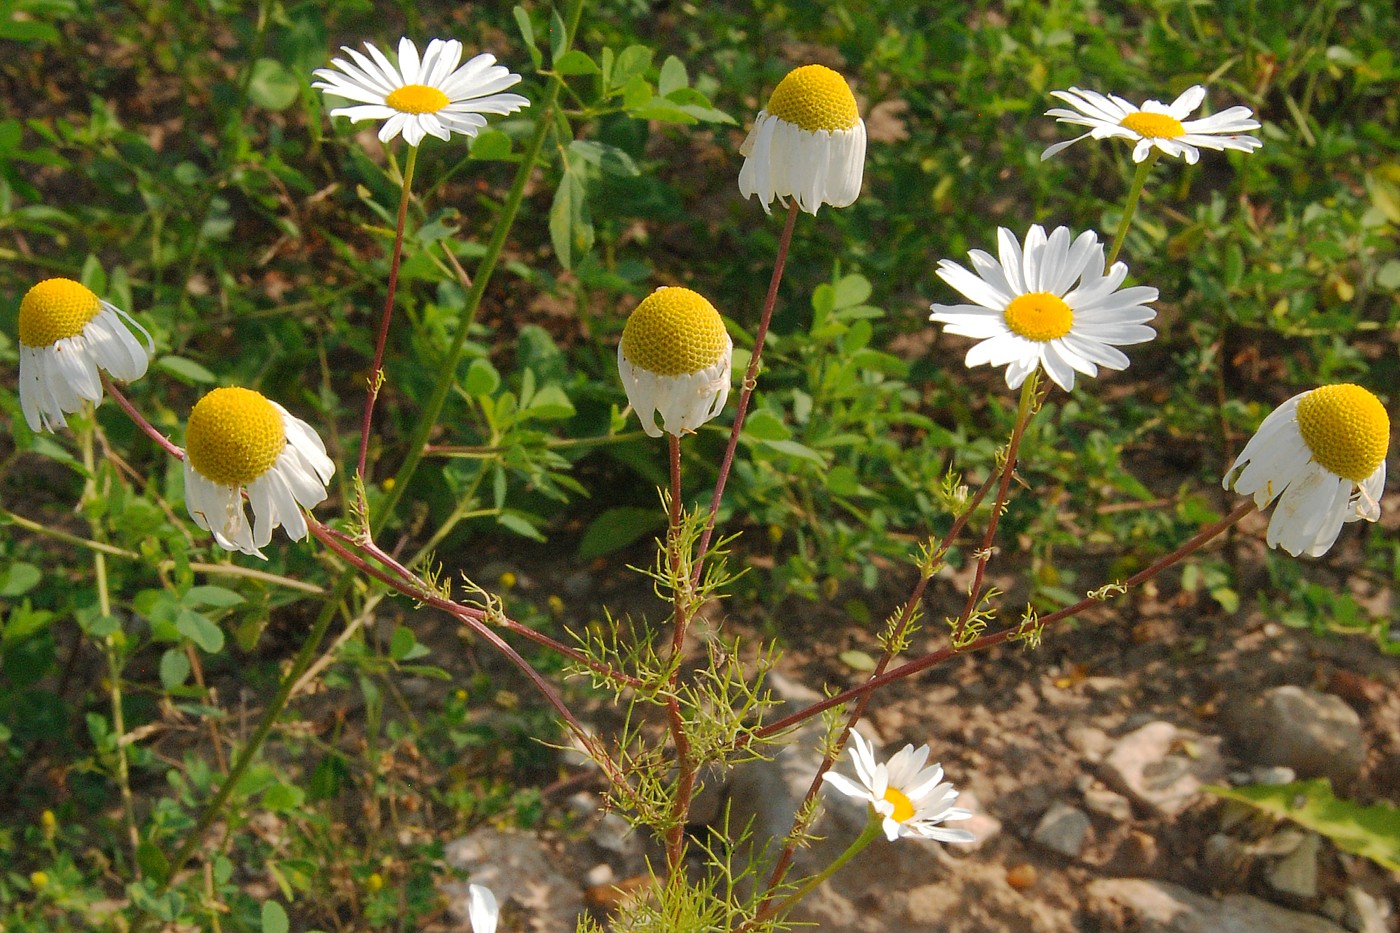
238,439
1048,304
65,333
482,911
908,797
1155,124
808,144
674,359
431,96
1322,455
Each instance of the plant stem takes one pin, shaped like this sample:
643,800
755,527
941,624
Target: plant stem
750,382
1195,543
868,835
86,429
446,375
1134,192
685,762
376,374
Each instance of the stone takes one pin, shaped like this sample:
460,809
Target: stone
1296,873
1364,913
1106,803
1315,734
1062,829
1160,907
1163,768
520,872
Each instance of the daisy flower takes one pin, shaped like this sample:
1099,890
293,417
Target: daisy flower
674,359
66,333
1322,455
430,96
1047,303
482,911
1155,124
908,797
809,143
237,439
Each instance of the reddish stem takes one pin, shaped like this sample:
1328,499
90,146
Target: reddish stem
146,427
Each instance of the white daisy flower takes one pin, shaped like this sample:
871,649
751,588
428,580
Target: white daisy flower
910,799
421,97
65,334
674,359
808,144
1046,304
482,911
1322,455
1155,124
238,439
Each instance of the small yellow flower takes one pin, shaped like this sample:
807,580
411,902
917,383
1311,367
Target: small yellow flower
48,823
66,333
39,880
375,882
809,143
238,439
1322,455
675,359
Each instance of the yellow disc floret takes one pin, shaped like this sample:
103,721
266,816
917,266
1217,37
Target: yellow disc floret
1039,316
234,436
55,309
674,332
815,98
417,98
1153,125
903,807
1346,428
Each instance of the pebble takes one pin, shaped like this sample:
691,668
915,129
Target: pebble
1315,734
1162,767
1063,829
1144,906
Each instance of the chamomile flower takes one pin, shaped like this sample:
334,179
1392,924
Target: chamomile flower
1322,455
674,359
809,143
911,800
1155,124
66,333
482,911
430,96
237,439
1047,303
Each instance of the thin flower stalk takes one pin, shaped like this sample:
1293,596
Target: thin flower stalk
746,391
685,776
1130,207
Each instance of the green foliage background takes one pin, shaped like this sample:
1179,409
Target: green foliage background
174,158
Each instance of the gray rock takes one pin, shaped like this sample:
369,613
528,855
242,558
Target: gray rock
1364,913
1106,803
1315,734
1296,873
1063,829
1158,907
520,872
1162,767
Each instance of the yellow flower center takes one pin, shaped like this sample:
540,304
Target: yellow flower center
234,436
1039,316
55,309
674,332
814,97
903,808
1346,428
1153,125
417,98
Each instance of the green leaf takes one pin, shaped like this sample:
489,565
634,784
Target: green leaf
673,76
27,30
1369,831
527,35
482,378
570,226
187,371
153,861
576,62
558,35
19,579
857,660
550,403
283,798
404,647
794,449
631,63
518,523
200,630
274,918
852,290
764,425
610,159
491,146
617,528
272,86
215,597
174,668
